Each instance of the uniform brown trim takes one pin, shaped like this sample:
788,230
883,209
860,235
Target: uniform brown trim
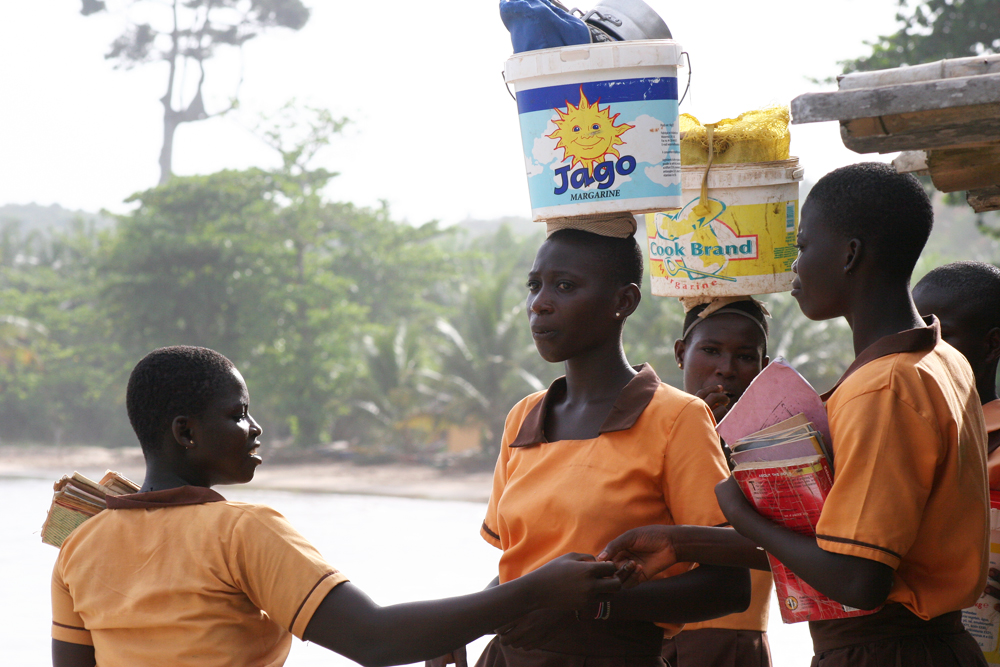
628,407
70,627
182,495
844,540
911,340
309,595
490,532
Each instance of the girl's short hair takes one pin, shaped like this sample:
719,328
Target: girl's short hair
172,381
621,257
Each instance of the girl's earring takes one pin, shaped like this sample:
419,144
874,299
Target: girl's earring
618,314
680,365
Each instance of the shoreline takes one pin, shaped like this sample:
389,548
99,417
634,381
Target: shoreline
393,479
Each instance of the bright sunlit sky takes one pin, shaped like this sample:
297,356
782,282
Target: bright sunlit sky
435,133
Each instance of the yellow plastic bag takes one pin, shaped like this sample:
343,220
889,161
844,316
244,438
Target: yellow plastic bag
755,136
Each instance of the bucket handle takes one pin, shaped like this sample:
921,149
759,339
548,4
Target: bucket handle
688,86
506,85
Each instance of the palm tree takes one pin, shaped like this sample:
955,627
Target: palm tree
483,356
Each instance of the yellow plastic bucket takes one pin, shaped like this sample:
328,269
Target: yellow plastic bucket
743,244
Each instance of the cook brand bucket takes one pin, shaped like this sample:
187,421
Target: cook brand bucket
599,127
743,243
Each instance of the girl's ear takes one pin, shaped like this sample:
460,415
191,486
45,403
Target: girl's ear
992,345
764,362
627,300
679,347
181,430
853,258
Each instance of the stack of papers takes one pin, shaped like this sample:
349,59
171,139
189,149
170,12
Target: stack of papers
77,498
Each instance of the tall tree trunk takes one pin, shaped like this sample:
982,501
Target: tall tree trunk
170,123
170,117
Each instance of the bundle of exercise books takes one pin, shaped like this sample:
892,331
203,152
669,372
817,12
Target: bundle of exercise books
78,498
779,436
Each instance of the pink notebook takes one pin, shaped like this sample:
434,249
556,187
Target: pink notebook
776,394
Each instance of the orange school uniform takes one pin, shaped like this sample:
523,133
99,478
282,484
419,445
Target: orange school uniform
656,460
184,577
991,412
909,487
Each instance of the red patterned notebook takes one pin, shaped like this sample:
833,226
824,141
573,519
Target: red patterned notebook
791,493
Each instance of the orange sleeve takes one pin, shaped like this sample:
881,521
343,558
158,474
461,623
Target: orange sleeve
693,465
67,625
490,529
279,570
885,458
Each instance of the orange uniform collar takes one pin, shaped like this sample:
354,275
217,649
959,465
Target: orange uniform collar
629,405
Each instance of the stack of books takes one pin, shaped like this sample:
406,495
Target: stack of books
780,447
78,498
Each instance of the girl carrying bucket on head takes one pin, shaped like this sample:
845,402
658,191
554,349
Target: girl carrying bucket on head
721,350
606,448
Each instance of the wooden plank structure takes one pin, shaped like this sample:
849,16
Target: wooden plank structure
945,115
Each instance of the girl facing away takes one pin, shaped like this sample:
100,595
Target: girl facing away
194,579
904,531
721,350
606,448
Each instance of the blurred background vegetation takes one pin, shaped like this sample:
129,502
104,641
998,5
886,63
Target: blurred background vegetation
360,336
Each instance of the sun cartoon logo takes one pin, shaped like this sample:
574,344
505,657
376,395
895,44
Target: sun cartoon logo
587,133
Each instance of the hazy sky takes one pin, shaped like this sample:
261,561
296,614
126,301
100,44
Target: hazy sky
435,133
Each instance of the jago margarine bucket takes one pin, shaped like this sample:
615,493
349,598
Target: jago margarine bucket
742,242
599,127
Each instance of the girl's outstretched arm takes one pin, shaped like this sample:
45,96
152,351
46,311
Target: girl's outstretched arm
348,622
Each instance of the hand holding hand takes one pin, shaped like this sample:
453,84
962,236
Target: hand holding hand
641,553
573,581
716,399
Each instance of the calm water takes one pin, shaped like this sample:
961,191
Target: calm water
395,549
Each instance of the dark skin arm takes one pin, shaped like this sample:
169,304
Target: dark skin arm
65,654
348,622
856,582
704,593
458,656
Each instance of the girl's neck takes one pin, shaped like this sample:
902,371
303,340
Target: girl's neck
882,312
161,477
598,375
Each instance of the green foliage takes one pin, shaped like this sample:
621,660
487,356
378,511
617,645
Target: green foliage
933,30
488,359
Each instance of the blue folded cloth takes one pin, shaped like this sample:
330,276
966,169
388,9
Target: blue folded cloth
536,24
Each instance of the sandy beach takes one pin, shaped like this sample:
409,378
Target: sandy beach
315,476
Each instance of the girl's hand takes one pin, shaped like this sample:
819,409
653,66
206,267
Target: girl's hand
572,582
717,400
641,553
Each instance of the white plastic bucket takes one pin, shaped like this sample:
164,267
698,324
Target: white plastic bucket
599,127
746,242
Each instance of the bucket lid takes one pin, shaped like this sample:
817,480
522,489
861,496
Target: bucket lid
584,57
628,20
